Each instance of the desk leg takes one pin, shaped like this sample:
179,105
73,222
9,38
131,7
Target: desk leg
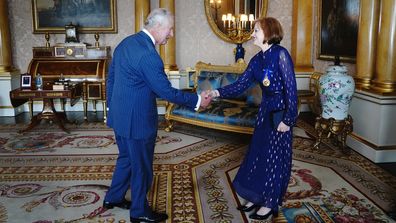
59,118
35,120
30,104
94,105
104,110
85,106
48,113
62,102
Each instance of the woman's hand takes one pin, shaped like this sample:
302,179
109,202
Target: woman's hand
282,127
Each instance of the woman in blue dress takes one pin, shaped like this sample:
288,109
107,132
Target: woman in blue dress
264,174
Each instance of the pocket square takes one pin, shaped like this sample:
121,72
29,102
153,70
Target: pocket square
276,118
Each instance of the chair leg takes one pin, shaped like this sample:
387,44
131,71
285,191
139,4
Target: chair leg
169,126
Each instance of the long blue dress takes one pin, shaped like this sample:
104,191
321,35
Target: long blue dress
265,172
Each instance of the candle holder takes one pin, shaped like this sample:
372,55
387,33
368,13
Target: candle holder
96,36
47,38
238,30
239,35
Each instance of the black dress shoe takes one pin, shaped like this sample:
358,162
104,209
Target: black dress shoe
123,204
154,217
263,217
246,208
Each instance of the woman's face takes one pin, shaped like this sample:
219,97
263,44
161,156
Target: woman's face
258,35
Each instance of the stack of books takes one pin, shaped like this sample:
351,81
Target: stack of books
60,85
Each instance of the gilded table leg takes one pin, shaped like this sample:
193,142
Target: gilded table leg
85,106
335,130
94,105
319,131
169,125
62,101
30,104
104,111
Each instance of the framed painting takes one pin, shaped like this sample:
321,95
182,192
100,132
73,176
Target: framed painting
90,16
338,29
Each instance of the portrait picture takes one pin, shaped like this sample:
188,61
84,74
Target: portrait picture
89,15
338,29
26,81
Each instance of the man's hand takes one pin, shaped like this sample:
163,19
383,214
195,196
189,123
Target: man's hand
205,99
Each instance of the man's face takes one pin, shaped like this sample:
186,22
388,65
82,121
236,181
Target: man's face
163,33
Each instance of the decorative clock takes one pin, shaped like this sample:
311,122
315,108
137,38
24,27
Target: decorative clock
71,33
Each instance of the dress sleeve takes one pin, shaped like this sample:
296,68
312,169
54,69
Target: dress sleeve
289,84
240,85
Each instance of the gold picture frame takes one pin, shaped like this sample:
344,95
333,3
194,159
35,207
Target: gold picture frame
338,25
91,16
260,10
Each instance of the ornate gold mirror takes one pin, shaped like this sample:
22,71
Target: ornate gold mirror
231,20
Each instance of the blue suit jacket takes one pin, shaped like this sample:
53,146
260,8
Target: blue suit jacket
136,78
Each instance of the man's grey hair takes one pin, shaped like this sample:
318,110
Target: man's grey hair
158,16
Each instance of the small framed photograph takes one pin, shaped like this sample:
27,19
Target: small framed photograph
26,81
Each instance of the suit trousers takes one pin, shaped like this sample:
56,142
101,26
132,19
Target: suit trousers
134,169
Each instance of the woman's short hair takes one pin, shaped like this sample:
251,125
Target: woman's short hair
158,16
273,32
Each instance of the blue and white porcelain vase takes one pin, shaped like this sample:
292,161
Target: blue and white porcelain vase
336,90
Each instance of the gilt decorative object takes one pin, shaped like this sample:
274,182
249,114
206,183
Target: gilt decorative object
336,130
233,20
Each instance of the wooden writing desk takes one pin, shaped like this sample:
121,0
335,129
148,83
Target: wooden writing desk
90,69
20,96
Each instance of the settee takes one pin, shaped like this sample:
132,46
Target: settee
236,115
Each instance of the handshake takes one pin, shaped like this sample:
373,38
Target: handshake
207,96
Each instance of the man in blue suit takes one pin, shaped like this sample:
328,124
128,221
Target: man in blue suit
136,78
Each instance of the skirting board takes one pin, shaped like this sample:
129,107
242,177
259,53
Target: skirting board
371,153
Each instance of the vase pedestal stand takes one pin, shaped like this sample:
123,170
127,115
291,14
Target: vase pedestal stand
335,130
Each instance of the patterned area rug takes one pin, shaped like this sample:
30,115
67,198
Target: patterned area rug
48,176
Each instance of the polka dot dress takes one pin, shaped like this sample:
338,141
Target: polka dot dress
264,174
